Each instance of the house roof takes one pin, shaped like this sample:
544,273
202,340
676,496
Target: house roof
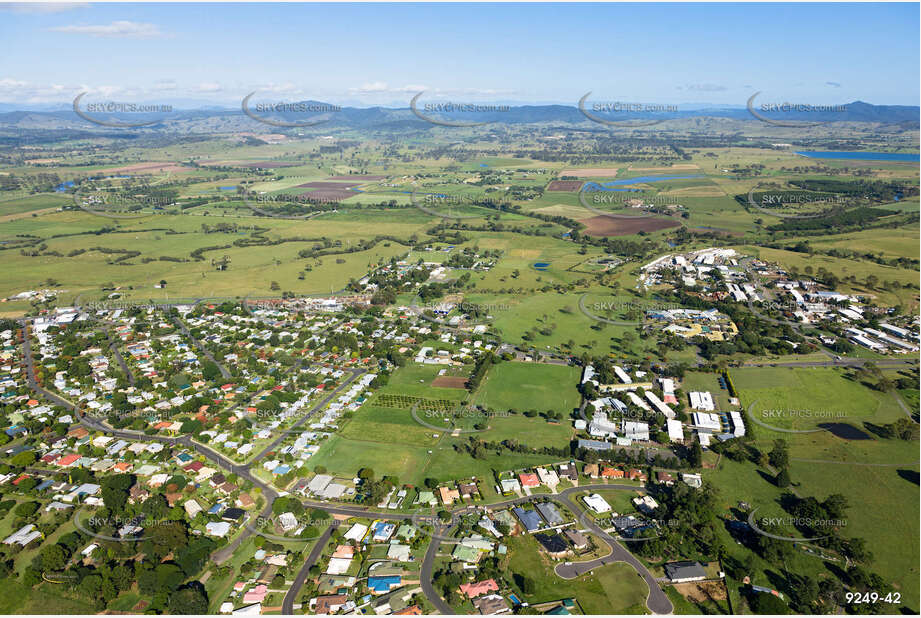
686,569
479,588
552,543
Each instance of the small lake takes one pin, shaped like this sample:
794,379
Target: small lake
541,265
610,185
858,156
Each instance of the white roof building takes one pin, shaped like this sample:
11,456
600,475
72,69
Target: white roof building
636,431
702,401
706,422
675,431
597,503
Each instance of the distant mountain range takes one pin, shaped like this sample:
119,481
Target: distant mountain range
211,118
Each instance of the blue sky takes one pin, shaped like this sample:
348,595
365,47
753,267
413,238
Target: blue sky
384,54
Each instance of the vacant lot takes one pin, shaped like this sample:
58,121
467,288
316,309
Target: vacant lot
450,382
564,185
611,589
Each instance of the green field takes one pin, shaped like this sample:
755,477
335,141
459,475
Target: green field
529,386
612,589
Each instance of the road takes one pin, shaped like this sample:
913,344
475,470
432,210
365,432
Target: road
844,362
287,605
426,573
201,347
113,346
656,601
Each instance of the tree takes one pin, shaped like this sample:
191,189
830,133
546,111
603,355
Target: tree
695,455
764,603
210,371
779,457
53,558
783,478
189,600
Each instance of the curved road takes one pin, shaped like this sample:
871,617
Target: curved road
656,601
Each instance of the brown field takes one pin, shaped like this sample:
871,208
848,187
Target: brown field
593,172
701,592
525,253
356,177
266,165
164,166
31,213
676,166
324,185
564,210
564,185
610,226
711,191
328,195
450,382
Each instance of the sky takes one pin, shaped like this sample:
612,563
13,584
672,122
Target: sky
384,54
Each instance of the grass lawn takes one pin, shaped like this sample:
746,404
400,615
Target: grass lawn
48,599
529,386
612,589
802,398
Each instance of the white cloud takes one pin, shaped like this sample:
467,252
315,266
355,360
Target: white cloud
208,87
41,7
117,29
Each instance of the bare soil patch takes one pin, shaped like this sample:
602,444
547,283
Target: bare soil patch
319,184
702,592
676,166
564,185
153,167
609,226
592,172
450,382
328,195
267,165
